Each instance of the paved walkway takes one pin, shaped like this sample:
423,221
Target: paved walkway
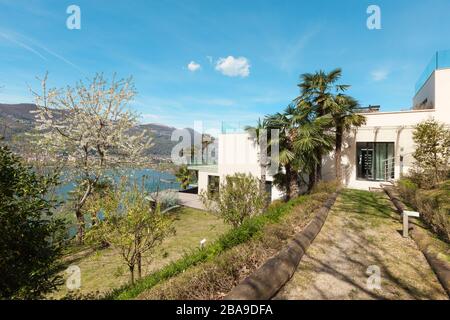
190,200
362,230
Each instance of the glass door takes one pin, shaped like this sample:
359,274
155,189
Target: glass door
365,161
375,160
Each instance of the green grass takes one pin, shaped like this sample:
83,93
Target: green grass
251,228
104,270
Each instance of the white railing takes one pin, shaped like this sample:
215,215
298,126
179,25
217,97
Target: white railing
389,169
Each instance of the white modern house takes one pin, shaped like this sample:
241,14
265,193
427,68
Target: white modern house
381,150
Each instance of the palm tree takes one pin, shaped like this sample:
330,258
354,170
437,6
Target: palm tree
319,90
345,117
300,136
184,176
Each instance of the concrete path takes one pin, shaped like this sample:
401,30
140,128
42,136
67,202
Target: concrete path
361,234
190,200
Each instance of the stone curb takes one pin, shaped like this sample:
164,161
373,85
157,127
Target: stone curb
266,281
440,267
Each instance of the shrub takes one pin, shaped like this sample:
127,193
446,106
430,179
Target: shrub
407,189
168,199
239,198
184,177
432,152
327,187
30,237
434,205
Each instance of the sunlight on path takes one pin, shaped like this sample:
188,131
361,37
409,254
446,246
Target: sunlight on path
362,230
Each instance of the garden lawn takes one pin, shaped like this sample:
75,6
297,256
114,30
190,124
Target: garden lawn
103,270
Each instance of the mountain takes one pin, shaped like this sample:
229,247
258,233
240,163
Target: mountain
17,119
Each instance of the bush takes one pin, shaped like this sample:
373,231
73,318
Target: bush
30,237
434,205
407,189
432,154
239,199
327,187
168,199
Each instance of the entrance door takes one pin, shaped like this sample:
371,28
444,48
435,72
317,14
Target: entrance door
375,160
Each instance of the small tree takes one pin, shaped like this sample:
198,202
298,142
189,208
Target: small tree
30,236
432,154
130,225
184,176
89,128
239,198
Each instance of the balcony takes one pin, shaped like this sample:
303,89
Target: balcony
440,60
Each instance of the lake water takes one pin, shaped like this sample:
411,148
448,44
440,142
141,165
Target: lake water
154,180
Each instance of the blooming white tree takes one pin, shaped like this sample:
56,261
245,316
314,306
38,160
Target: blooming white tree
89,129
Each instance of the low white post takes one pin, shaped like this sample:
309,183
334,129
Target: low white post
406,215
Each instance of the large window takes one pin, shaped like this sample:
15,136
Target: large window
375,160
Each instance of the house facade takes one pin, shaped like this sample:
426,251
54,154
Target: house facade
381,150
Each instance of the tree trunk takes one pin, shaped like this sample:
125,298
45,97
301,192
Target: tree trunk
80,216
293,186
131,274
287,181
139,261
80,220
311,180
338,154
319,167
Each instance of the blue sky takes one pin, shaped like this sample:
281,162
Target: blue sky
247,55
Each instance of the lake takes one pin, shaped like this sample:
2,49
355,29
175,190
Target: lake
154,180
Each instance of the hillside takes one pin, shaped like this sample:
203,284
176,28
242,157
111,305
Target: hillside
16,119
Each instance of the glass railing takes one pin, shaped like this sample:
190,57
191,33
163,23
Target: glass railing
235,127
440,60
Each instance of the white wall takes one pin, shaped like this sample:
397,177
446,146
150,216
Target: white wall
238,153
442,102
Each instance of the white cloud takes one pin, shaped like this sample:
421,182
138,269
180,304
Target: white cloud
233,67
193,66
380,74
